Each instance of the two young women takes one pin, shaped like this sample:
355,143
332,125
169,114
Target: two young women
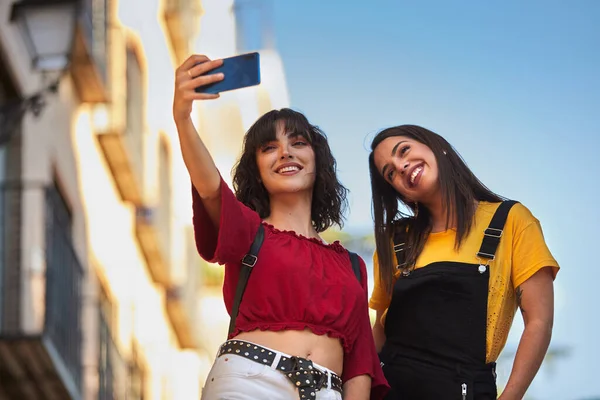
448,278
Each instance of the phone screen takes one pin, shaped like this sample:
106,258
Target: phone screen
240,71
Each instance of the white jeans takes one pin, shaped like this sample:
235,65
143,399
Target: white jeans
233,377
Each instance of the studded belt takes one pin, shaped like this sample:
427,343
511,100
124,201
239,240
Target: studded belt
300,371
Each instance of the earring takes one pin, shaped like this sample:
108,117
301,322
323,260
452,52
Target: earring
416,209
444,151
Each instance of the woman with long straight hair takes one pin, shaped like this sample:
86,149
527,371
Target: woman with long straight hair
451,272
302,328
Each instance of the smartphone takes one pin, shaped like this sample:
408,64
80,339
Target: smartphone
240,72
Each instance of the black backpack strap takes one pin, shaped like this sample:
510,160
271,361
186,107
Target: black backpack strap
248,263
493,233
355,265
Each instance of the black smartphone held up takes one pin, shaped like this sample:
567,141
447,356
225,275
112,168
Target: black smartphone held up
240,71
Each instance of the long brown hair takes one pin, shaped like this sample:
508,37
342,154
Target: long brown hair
460,189
329,195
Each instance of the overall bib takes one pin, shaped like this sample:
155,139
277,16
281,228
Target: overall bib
435,327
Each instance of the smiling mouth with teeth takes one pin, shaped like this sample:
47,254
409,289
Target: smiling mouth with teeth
414,174
288,169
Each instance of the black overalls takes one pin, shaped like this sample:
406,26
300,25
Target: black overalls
435,327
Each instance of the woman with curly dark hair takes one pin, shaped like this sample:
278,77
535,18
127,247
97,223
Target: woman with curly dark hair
302,329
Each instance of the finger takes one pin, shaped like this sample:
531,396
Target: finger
191,95
203,81
203,68
193,60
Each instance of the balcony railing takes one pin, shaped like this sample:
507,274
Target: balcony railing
43,361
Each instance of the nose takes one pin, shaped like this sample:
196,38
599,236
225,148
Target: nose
401,166
285,153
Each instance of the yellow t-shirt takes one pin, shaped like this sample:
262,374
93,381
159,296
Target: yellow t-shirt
521,253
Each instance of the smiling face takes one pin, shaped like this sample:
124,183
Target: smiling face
287,163
284,154
409,166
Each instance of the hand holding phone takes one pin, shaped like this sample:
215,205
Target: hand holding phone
189,76
239,71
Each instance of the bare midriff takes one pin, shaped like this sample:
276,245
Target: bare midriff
320,349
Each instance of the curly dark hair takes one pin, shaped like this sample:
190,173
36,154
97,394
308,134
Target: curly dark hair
329,195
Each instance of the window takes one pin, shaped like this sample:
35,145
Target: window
59,219
10,199
63,282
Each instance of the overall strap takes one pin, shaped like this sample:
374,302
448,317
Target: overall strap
355,265
400,245
248,262
492,235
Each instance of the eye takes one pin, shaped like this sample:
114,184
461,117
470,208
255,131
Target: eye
267,147
403,150
390,175
300,143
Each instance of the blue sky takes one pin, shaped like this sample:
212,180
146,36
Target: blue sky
514,86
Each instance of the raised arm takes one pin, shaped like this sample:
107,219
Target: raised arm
200,165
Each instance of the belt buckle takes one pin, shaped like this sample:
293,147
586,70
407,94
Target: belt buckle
295,363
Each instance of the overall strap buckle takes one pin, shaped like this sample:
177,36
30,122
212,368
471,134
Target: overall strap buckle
493,234
398,249
400,246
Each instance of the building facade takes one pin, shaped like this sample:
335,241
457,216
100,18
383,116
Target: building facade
102,294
